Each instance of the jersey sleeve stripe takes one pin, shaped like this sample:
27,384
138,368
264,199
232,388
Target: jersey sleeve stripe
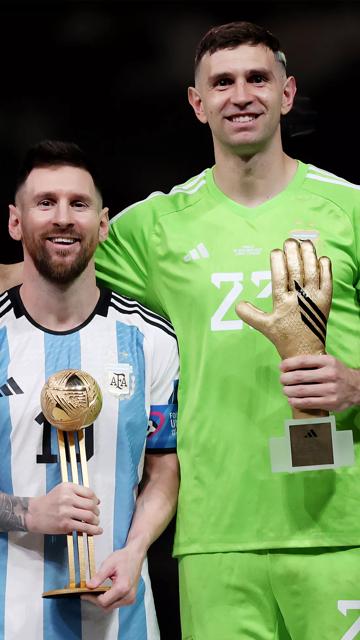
133,304
186,187
197,182
5,308
189,191
138,311
350,185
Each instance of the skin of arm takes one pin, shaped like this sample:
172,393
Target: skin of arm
319,382
13,512
155,506
67,507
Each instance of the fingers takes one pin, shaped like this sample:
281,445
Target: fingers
84,492
86,516
279,275
294,263
304,267
325,276
83,527
123,569
310,264
76,508
318,382
119,595
253,316
304,362
86,505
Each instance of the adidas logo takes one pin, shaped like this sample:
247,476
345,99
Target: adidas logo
195,254
10,388
311,434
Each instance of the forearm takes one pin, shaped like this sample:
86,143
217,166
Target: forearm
154,508
156,502
13,512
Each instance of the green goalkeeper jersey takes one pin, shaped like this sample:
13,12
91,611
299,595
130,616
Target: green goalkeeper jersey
191,255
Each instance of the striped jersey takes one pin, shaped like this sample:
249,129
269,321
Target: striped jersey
192,255
132,353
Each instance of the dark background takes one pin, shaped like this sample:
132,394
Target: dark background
112,76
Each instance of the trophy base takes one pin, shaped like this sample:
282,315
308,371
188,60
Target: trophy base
73,592
312,444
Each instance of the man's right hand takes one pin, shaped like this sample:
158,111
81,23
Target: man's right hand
67,507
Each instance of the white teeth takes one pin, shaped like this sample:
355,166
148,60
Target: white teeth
242,118
63,240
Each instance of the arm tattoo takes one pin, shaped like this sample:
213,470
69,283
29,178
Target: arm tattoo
12,512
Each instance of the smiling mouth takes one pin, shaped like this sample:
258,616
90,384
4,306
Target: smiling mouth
63,241
242,119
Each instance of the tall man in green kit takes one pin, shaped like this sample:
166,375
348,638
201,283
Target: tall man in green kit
254,547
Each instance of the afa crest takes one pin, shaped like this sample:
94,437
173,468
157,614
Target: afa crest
120,381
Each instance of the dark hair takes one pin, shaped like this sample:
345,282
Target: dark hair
54,153
232,34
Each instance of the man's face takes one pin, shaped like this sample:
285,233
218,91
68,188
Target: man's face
59,219
241,93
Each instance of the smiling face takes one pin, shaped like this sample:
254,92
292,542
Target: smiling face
241,93
59,219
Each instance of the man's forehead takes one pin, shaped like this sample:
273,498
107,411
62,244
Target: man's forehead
59,178
245,55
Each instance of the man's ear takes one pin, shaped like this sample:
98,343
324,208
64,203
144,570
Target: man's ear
289,92
14,225
104,224
195,100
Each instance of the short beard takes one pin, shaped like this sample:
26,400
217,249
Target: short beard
62,274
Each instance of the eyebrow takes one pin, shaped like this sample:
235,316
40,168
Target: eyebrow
53,195
263,71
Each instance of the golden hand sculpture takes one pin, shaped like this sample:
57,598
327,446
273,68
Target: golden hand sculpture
302,293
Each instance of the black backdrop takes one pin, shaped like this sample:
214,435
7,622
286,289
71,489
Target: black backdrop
112,76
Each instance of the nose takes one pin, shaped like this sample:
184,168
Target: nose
63,214
241,94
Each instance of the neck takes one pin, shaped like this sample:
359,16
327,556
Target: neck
251,180
59,307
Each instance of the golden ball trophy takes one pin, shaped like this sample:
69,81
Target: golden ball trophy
302,294
71,400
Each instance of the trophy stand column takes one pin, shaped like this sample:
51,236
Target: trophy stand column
71,400
80,546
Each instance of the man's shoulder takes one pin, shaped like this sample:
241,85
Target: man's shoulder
8,305
160,203
132,312
331,187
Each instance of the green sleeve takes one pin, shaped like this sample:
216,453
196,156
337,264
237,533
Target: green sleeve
356,226
123,261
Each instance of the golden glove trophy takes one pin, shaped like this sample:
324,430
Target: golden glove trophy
71,400
302,293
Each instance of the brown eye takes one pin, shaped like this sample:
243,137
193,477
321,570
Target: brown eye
223,82
257,78
78,204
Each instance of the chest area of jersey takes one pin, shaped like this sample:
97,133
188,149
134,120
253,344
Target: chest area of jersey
112,354
212,262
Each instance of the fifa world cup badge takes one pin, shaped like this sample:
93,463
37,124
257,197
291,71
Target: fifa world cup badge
302,294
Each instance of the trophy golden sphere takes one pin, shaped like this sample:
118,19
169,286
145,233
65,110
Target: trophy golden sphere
71,399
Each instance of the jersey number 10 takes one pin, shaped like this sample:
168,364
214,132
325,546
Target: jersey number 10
47,456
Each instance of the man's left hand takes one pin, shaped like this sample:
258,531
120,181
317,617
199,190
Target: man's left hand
123,567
